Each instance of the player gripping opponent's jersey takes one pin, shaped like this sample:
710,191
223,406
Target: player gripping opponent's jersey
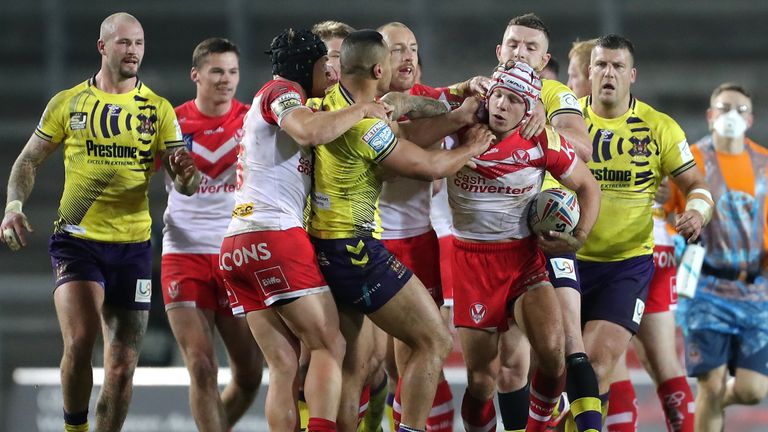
195,225
266,251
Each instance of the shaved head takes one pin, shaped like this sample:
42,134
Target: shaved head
110,23
361,50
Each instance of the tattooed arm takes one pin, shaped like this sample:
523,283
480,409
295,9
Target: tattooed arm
414,107
15,226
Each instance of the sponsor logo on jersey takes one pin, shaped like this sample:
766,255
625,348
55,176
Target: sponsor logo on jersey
378,136
477,184
243,210
563,268
218,130
605,174
78,120
143,291
110,150
569,100
477,312
685,151
244,255
637,315
284,103
272,281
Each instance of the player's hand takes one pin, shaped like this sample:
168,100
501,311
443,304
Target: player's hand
478,85
689,225
378,109
534,124
15,228
556,243
478,138
182,166
664,191
466,114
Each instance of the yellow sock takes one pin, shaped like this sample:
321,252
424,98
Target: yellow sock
76,428
303,414
390,417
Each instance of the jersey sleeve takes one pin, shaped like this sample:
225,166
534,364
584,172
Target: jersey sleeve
169,130
558,99
279,100
52,125
676,156
559,154
376,140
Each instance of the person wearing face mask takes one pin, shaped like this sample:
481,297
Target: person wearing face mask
726,321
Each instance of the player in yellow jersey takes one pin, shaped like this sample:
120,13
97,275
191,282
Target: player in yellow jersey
364,277
112,128
635,146
526,39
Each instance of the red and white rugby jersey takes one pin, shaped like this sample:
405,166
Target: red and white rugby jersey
404,203
440,213
491,201
197,223
273,172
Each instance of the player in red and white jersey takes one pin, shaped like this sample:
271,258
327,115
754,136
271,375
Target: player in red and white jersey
489,204
193,290
268,262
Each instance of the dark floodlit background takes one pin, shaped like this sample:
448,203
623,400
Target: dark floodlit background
685,48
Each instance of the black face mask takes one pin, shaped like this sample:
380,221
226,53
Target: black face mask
294,54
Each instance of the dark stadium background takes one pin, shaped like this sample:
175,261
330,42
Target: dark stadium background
684,49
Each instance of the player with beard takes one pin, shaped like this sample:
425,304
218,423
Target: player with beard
491,232
112,128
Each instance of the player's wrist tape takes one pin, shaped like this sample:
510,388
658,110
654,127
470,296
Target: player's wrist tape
13,206
700,200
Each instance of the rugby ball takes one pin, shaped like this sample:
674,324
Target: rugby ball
553,210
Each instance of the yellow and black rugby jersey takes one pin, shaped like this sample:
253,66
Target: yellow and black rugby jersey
110,144
630,155
346,187
557,99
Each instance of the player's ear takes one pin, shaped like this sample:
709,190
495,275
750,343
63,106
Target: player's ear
101,47
632,75
194,75
377,71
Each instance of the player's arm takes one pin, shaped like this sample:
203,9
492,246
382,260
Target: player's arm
698,206
414,107
409,160
587,190
572,127
309,128
427,131
20,183
181,167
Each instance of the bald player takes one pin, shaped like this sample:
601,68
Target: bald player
111,128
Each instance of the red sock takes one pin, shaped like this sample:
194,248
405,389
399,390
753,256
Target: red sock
317,424
365,397
545,394
677,402
397,408
622,408
441,416
478,415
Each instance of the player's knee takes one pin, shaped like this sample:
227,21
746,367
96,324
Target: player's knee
202,369
78,350
248,380
750,394
711,387
442,342
282,360
119,375
481,384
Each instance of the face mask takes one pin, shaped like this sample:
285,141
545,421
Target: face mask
730,125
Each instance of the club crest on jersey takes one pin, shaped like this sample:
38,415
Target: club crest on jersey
239,134
477,312
146,124
378,136
173,289
640,147
78,120
521,156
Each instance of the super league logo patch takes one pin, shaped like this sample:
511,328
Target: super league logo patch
378,136
477,311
